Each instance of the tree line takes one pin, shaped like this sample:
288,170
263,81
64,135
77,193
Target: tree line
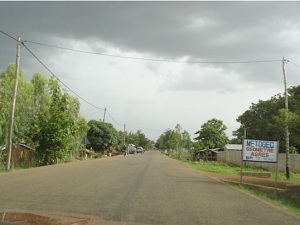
47,119
264,120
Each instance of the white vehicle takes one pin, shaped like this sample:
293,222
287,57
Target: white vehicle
139,149
131,149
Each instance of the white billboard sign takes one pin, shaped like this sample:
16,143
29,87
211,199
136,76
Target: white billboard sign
260,151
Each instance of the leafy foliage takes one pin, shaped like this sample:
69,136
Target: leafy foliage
55,136
138,139
212,134
174,139
23,110
267,119
46,118
102,135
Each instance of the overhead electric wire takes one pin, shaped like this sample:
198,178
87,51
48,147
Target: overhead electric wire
293,63
58,78
114,118
156,60
8,35
127,57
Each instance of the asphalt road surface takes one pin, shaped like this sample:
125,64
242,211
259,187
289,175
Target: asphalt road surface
149,188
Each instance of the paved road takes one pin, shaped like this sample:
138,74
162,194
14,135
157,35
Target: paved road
149,188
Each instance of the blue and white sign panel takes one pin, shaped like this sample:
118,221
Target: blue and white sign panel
260,151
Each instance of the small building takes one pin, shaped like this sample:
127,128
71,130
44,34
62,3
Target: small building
208,154
20,153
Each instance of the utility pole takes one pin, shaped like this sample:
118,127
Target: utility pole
124,133
13,104
287,139
104,114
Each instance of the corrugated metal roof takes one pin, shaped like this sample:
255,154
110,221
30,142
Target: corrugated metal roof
229,147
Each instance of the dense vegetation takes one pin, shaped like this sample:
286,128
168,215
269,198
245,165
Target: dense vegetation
266,120
47,119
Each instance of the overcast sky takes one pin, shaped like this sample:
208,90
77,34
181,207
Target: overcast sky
155,95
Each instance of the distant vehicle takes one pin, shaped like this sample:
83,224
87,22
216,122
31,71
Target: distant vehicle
139,149
131,149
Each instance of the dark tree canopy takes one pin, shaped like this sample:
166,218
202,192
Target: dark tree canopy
266,120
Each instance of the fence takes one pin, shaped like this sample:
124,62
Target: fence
235,157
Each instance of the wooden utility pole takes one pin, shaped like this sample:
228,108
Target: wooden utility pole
104,114
287,139
13,104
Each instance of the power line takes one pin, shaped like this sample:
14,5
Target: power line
147,59
22,42
127,57
58,78
9,35
152,59
114,118
293,63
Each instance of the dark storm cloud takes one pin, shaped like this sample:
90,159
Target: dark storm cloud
202,30
196,31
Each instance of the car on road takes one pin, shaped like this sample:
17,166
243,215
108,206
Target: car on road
139,149
132,149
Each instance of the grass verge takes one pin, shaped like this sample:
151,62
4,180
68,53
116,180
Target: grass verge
225,168
2,167
287,204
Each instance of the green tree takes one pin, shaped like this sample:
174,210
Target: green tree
174,140
102,135
267,119
6,82
80,132
23,110
143,141
212,134
259,120
46,118
42,102
186,140
235,141
56,134
132,138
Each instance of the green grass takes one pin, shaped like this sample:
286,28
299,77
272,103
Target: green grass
287,204
219,167
225,168
2,168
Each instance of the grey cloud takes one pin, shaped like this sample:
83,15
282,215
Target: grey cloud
199,31
158,28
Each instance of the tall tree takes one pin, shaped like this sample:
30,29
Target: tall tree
46,117
55,139
267,119
186,140
42,101
259,120
102,135
172,139
212,134
23,110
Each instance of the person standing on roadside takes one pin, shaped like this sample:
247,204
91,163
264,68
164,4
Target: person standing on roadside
124,150
110,152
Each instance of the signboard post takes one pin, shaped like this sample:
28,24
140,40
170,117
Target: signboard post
261,151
